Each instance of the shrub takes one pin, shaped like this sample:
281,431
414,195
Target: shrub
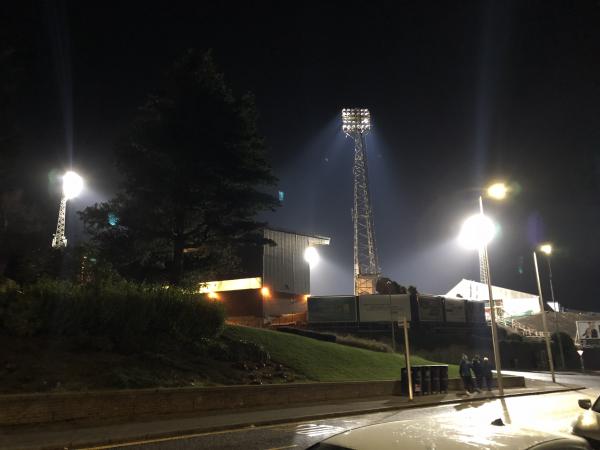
132,316
368,344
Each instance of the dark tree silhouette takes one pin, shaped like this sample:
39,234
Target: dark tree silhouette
195,175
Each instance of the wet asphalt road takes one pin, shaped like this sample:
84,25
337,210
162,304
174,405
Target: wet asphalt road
549,412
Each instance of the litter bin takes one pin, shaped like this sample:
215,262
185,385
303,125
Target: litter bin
443,379
426,380
417,380
435,379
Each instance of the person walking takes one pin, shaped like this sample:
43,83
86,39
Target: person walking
486,372
478,371
464,370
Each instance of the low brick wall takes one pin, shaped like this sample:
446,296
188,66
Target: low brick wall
134,404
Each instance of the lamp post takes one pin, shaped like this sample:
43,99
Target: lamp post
547,249
492,308
580,353
477,232
72,186
543,313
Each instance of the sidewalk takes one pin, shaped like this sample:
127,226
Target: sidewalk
69,436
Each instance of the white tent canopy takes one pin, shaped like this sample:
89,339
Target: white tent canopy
515,303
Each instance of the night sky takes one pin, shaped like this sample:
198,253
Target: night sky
461,93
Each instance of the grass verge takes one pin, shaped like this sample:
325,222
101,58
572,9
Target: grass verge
326,361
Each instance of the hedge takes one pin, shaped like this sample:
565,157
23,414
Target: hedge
129,315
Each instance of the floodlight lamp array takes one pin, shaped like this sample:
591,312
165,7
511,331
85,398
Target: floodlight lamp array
356,120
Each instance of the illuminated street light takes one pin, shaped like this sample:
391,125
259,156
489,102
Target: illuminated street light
543,314
497,191
311,256
477,232
547,249
72,187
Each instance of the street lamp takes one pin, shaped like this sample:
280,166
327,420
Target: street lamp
72,186
543,313
477,232
547,250
497,191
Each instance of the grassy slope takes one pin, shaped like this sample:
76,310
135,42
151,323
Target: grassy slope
326,361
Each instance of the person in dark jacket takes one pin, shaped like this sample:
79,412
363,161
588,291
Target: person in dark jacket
464,370
478,371
486,371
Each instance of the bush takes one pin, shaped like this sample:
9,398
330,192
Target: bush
367,344
133,317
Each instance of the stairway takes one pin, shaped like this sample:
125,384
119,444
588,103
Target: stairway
519,328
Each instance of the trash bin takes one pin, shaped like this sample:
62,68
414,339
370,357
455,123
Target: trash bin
417,380
426,380
435,379
443,379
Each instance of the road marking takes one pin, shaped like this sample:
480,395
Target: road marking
281,448
287,426
173,438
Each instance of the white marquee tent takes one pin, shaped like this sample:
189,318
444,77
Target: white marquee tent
514,303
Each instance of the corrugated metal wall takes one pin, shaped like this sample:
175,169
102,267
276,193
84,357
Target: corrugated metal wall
284,267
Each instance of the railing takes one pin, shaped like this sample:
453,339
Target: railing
521,329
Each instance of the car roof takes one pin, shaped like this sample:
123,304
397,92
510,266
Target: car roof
433,434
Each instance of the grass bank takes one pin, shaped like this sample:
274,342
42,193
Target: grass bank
326,361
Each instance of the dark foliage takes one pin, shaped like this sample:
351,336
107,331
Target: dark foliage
121,315
386,286
194,173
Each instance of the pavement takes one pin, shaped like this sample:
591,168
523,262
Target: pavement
71,436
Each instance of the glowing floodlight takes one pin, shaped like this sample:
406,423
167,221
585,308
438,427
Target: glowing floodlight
477,231
311,256
72,185
356,120
546,248
265,292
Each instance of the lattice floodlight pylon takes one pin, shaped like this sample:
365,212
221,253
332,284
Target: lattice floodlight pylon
483,274
356,123
72,186
59,240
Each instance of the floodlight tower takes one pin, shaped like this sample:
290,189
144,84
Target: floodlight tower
356,123
483,275
72,185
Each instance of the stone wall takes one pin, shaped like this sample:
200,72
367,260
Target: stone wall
136,404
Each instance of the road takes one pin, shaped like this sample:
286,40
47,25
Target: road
549,412
580,379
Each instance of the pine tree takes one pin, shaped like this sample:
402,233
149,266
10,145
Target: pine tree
195,174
